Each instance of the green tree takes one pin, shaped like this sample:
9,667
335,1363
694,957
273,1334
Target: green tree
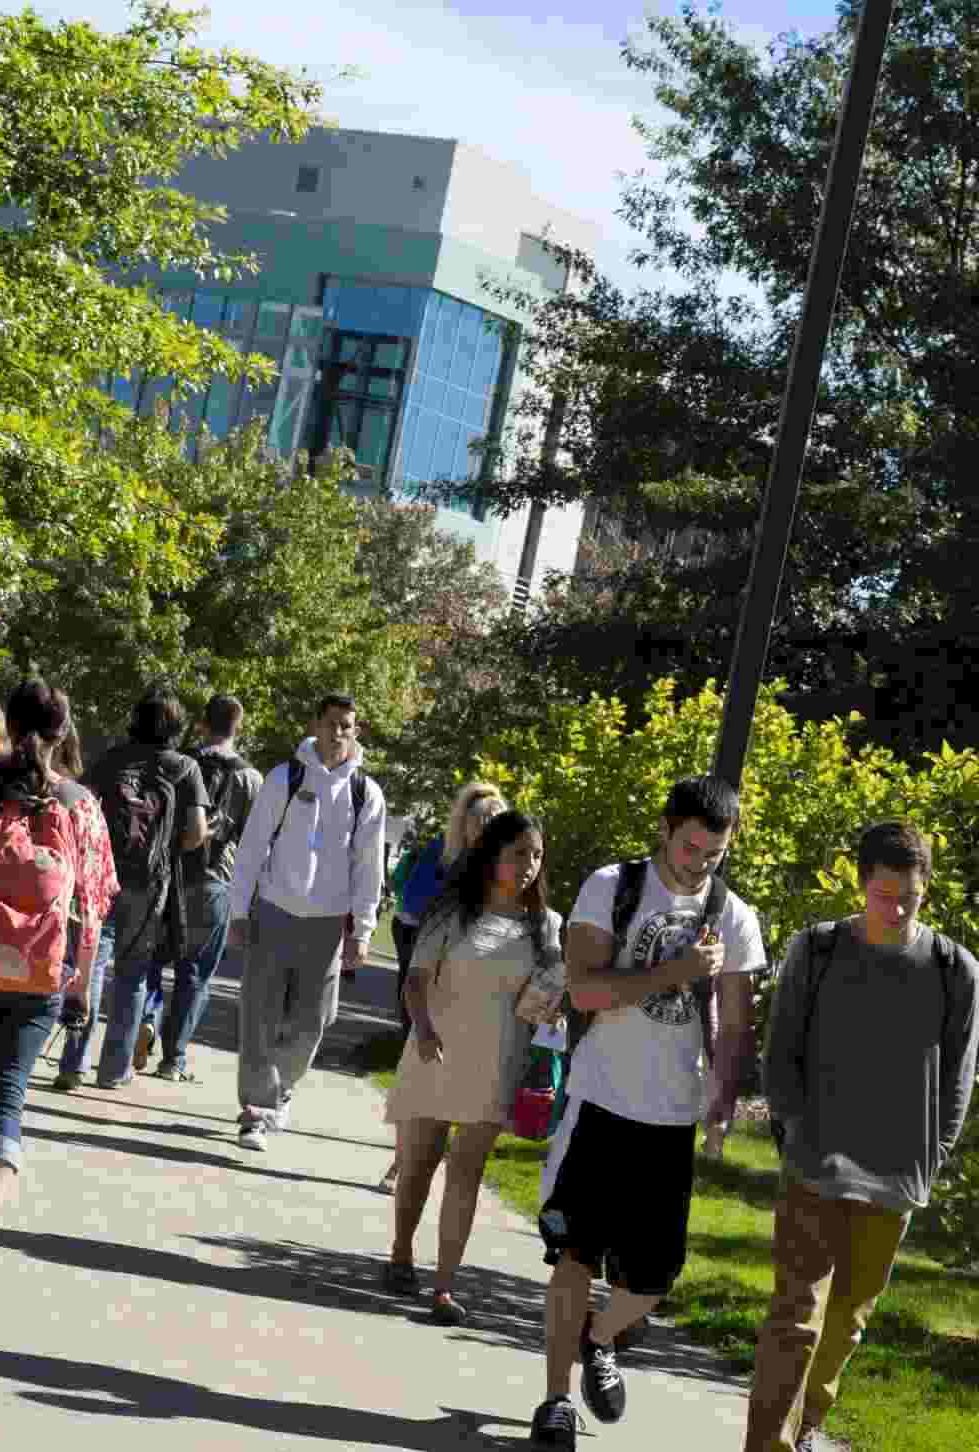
671,399
93,128
276,609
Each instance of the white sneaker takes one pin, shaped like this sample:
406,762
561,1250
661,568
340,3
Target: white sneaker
279,1118
253,1135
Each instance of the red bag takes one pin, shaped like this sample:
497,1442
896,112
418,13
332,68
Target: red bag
532,1110
37,879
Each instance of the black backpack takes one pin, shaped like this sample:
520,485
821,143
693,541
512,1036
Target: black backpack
628,895
140,808
219,780
822,945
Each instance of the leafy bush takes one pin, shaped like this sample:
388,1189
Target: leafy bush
806,793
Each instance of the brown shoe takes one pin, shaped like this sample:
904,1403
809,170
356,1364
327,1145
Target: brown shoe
145,1042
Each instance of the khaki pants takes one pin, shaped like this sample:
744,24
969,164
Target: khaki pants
832,1260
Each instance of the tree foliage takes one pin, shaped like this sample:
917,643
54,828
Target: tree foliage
671,397
93,128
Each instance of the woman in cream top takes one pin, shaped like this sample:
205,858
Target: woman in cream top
487,967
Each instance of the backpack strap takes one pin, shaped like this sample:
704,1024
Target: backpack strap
705,989
628,895
294,780
945,955
629,886
358,795
822,945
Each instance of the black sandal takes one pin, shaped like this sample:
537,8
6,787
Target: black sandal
446,1310
399,1278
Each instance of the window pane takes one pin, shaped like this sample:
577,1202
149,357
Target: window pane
455,403
374,435
301,358
308,179
273,320
390,355
343,425
208,309
408,434
220,406
350,381
287,418
433,395
443,457
487,361
239,317
445,340
475,410
470,327
382,385
419,461
306,323
154,396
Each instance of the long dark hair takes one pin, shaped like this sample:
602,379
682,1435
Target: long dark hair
470,879
37,716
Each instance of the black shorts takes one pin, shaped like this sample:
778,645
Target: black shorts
621,1200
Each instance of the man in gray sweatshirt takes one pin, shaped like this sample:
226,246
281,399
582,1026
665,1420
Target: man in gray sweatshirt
869,1067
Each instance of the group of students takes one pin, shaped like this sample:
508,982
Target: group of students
654,975
164,856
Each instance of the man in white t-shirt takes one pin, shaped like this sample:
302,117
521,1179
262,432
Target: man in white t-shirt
618,1180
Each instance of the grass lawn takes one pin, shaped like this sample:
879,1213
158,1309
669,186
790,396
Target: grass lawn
914,1384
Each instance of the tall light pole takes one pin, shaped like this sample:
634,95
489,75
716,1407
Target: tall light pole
801,389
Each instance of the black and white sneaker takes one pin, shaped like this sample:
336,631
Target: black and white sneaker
602,1387
807,1440
555,1424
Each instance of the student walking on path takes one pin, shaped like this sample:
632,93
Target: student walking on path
487,968
80,1012
54,852
232,786
869,1069
313,851
155,803
646,942
475,804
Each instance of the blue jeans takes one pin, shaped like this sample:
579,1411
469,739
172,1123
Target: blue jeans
76,1056
208,917
125,1010
25,1022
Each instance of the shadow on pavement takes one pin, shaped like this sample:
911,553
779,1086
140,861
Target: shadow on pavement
154,1150
81,1099
504,1310
144,1396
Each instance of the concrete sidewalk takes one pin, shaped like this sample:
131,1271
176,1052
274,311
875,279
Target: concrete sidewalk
162,1288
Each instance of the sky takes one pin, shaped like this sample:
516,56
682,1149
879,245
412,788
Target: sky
546,90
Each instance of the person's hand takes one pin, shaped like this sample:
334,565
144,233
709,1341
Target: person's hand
702,959
355,951
238,934
714,1142
430,1048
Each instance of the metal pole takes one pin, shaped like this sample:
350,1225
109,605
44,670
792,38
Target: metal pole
802,385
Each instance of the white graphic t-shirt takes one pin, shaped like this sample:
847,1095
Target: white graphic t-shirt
646,1062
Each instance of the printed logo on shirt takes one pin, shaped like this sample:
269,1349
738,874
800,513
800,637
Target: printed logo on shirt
661,937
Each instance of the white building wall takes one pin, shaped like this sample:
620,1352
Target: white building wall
363,175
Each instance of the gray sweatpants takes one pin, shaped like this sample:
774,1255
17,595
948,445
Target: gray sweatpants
290,994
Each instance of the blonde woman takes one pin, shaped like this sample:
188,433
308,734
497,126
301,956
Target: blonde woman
475,804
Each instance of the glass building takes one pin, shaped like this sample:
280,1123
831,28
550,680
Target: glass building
406,377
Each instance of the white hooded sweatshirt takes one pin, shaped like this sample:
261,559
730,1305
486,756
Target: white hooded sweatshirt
318,867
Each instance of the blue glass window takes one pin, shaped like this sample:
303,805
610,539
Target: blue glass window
456,375
220,411
208,309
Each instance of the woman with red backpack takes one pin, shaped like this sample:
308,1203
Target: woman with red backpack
54,849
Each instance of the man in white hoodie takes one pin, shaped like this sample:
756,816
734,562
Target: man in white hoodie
313,847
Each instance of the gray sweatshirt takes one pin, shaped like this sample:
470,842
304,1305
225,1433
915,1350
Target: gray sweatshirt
875,1096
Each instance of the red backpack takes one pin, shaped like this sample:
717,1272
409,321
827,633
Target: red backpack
37,879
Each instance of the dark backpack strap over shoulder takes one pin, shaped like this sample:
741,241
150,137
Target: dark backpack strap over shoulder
358,794
822,945
294,780
628,895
